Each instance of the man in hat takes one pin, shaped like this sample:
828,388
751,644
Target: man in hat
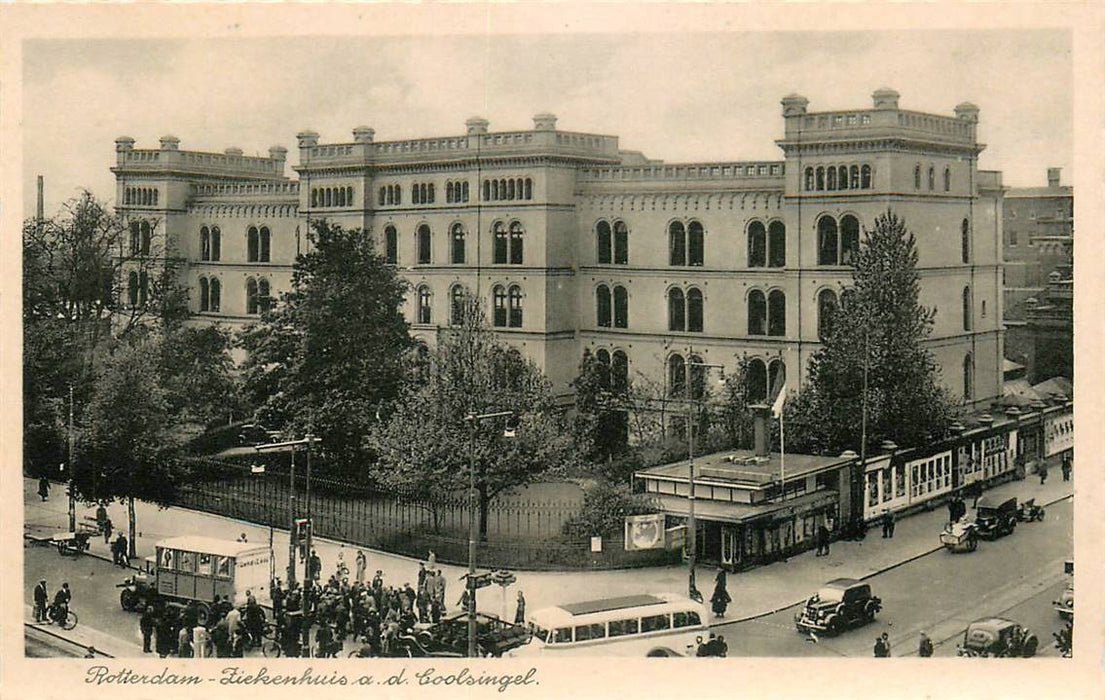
924,645
42,597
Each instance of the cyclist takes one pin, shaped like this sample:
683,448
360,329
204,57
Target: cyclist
61,604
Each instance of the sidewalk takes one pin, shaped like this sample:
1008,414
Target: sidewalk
755,593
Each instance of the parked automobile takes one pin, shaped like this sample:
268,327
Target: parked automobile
996,518
1029,511
998,637
1064,605
960,536
839,605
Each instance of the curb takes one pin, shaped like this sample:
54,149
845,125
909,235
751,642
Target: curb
890,567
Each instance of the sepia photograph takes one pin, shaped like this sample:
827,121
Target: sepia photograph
503,347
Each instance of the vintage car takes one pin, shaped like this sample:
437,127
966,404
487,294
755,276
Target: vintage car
960,536
841,604
997,637
996,518
1064,605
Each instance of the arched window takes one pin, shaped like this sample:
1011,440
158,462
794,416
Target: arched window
677,375
516,239
498,298
619,372
251,296
494,189
500,243
757,381
696,374
205,243
677,310
849,239
757,245
216,294
603,238
826,241
266,244
965,240
216,243
132,289
515,306
776,377
391,245
932,178
777,313
252,244
830,179
757,313
340,197
621,243
777,244
464,191
947,179
510,189
677,243
968,377
621,307
135,238
458,244
602,356
602,306
382,198
820,178
147,236
694,310
487,190
809,179
329,196
456,305
967,308
416,194
842,177
205,295
853,178
264,300
143,288
529,188
431,200
865,177
423,245
449,192
398,194
917,177
826,311
424,304
696,245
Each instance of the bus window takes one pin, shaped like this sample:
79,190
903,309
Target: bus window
686,619
167,558
539,632
222,567
651,623
595,630
184,562
562,635
620,628
203,564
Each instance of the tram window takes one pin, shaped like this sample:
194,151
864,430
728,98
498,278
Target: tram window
685,619
652,623
204,564
620,628
222,567
562,635
595,630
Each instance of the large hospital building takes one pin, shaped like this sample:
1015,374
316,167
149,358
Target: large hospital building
575,243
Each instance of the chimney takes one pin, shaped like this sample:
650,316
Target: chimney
170,143
364,134
544,122
40,211
885,98
233,151
1053,177
761,433
794,105
477,126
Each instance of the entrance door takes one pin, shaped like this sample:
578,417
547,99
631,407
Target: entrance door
730,546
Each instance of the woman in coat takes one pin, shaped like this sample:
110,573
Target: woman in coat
720,599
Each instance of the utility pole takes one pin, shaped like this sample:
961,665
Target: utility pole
694,402
293,514
72,494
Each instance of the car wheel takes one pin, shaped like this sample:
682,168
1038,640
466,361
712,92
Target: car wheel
203,613
128,599
657,653
834,626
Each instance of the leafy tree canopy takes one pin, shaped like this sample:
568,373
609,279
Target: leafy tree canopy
880,323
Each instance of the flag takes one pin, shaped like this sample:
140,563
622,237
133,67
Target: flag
780,399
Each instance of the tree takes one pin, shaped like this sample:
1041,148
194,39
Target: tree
331,353
605,508
424,447
880,323
198,374
600,422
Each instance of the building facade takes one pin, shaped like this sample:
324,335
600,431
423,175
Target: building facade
575,243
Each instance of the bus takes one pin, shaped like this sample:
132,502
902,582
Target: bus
660,624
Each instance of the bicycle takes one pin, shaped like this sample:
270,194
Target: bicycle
68,623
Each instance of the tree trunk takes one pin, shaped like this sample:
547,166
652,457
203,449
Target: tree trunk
130,527
485,501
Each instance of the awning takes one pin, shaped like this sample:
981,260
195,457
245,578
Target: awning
722,511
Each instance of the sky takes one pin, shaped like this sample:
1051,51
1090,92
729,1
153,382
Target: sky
676,97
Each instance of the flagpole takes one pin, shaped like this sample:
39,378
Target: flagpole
782,458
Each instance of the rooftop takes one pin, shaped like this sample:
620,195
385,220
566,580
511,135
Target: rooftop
743,468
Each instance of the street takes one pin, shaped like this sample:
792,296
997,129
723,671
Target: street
1015,577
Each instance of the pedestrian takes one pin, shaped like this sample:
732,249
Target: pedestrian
440,587
43,488
924,646
431,561
463,602
61,603
520,611
121,543
277,596
165,636
324,640
184,642
107,530
700,647
880,650
146,624
315,565
720,599
101,517
233,620
421,575
200,638
42,597
822,540
886,642
887,523
722,647
1066,467
1043,473
220,637
362,565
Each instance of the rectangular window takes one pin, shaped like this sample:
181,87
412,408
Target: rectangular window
620,628
562,635
685,619
873,489
887,487
652,623
593,631
913,486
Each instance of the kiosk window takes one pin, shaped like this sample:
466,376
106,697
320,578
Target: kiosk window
203,564
222,567
620,628
685,619
652,623
593,631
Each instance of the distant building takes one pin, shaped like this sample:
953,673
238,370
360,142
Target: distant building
575,243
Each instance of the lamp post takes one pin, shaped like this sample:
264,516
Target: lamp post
72,493
693,404
293,514
472,420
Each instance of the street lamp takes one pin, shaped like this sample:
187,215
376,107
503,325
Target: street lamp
473,420
693,405
290,446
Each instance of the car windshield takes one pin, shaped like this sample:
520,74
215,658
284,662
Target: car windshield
830,595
